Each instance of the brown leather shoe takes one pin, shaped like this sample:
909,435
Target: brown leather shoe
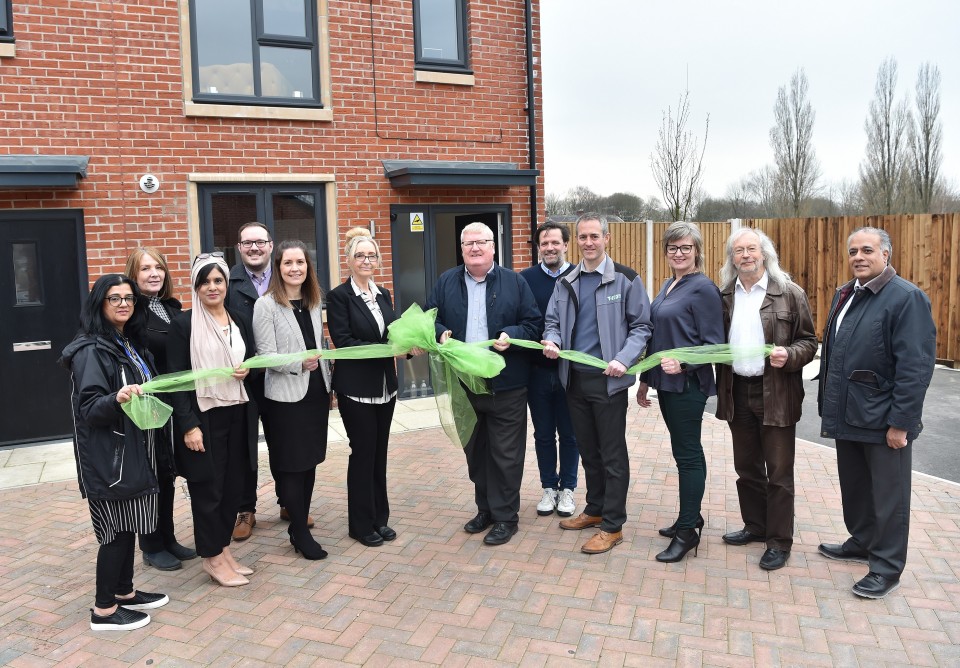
244,525
285,516
602,542
581,521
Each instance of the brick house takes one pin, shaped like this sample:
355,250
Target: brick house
170,123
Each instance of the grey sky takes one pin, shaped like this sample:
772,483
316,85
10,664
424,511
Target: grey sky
611,68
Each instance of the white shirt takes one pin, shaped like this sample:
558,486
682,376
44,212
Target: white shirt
746,328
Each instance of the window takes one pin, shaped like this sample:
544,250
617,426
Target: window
6,27
440,35
262,52
290,211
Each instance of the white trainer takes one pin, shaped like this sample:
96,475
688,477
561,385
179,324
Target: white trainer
548,503
565,504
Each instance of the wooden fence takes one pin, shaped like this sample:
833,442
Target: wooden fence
926,251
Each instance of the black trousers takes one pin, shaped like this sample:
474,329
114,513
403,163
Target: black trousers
164,536
368,428
115,569
496,451
248,485
215,502
763,457
600,425
875,489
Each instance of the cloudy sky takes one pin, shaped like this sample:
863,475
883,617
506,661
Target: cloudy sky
612,67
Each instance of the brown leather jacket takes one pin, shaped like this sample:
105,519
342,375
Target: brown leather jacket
787,322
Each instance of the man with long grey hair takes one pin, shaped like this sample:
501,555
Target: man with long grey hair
761,399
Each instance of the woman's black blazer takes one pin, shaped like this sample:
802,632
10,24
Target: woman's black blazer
351,323
157,330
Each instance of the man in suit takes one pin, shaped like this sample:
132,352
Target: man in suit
249,280
762,401
879,351
477,302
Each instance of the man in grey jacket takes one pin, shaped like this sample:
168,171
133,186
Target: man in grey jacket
879,350
600,308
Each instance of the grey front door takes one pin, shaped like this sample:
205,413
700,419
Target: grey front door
42,284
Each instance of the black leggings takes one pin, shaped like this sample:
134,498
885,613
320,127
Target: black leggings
115,569
295,490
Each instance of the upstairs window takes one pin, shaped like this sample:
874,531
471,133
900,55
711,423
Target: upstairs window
6,20
255,52
440,35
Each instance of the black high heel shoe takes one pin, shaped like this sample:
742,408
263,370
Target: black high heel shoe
684,541
671,531
310,549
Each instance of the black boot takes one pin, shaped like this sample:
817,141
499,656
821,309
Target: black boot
671,531
683,542
304,543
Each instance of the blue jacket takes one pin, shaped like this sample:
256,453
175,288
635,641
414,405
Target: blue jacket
511,308
875,371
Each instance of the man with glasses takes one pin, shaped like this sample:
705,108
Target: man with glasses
478,302
249,280
762,401
600,308
545,394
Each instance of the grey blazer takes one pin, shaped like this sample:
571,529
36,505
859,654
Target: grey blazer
276,330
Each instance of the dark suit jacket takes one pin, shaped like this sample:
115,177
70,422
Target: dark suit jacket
198,466
157,331
241,296
351,324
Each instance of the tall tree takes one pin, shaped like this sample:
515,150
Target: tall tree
791,137
884,170
926,138
677,161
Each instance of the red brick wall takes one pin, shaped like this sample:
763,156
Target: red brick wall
104,79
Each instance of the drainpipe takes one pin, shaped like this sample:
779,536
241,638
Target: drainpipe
531,122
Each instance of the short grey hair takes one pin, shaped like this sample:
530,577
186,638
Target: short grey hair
477,227
590,215
885,243
771,261
681,230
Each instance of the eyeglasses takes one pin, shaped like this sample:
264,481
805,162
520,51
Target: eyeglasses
685,249
207,256
748,249
371,258
116,300
479,243
259,243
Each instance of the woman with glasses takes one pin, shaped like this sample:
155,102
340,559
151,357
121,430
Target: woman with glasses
358,313
148,268
116,460
215,427
288,319
687,312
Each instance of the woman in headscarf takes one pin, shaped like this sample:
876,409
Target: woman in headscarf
116,460
215,428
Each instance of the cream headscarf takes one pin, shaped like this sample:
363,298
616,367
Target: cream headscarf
210,348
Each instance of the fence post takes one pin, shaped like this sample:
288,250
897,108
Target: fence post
734,224
648,227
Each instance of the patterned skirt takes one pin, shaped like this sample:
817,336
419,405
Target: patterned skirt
139,515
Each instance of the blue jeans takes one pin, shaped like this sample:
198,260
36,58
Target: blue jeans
551,418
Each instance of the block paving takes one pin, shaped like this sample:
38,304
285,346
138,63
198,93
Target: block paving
438,596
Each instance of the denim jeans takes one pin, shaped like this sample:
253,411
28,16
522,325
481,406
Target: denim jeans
551,418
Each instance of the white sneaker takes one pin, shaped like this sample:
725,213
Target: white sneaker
565,504
548,503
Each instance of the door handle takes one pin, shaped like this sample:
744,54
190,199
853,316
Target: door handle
25,346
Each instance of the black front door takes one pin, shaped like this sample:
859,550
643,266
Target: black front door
41,287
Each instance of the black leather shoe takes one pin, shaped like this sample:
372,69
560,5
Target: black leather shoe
500,533
372,539
182,552
478,523
163,561
774,558
875,585
387,533
840,552
671,531
742,537
683,541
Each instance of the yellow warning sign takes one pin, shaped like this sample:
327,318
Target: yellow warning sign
416,222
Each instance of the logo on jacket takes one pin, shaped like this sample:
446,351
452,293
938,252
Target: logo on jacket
613,298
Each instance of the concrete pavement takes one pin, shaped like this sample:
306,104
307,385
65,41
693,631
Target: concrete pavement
438,596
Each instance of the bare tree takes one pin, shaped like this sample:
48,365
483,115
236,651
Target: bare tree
764,185
884,171
677,162
791,137
926,138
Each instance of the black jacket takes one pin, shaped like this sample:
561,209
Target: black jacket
157,331
110,450
351,323
241,292
198,466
